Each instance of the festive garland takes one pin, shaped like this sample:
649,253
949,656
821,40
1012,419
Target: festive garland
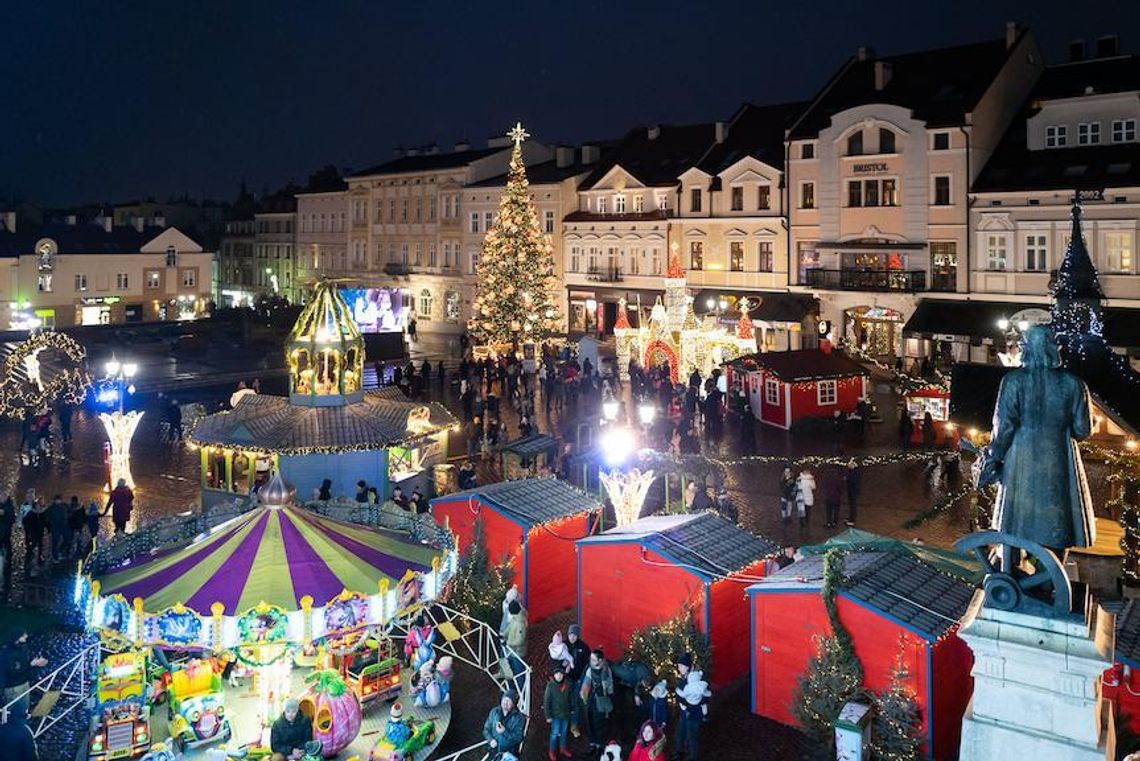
286,650
940,506
69,385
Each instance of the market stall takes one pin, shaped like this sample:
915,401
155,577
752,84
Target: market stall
275,603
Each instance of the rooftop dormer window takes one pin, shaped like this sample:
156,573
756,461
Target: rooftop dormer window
855,144
1056,136
886,141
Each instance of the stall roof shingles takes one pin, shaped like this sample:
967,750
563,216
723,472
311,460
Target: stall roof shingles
806,364
712,544
939,86
535,500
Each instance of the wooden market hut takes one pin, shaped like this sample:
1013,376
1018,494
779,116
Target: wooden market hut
328,426
789,386
651,570
894,606
531,523
527,456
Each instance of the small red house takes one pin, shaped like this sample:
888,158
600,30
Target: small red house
895,606
648,572
533,523
786,386
1120,684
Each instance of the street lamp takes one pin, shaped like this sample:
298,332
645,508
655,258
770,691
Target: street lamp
646,412
120,425
626,488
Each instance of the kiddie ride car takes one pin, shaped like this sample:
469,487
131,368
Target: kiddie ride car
121,724
197,706
373,673
390,749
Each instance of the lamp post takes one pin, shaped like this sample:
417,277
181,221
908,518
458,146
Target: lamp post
1012,332
626,488
120,425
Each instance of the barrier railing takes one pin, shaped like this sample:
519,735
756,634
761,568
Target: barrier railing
476,644
71,684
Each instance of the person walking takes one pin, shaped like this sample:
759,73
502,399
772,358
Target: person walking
597,693
556,706
7,521
787,494
65,411
121,503
805,496
93,519
412,329
906,428
854,479
31,518
17,664
56,519
580,653
832,494
76,520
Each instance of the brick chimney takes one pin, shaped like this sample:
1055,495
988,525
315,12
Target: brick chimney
721,131
590,154
883,71
563,156
10,221
865,54
1011,31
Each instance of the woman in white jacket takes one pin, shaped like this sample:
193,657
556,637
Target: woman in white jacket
805,495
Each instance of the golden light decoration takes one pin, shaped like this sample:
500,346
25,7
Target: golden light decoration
627,492
121,428
19,397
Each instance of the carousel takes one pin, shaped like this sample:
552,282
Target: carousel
205,642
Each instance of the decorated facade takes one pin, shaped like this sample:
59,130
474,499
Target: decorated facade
328,426
674,335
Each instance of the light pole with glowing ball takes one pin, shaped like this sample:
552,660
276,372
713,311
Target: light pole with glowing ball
120,425
626,488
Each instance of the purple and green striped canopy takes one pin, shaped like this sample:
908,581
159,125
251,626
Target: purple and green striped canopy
275,555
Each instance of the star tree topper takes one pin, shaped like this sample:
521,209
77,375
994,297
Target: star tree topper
518,134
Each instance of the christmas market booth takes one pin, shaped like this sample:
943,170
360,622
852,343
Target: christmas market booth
652,570
274,604
932,399
784,388
532,524
899,611
328,427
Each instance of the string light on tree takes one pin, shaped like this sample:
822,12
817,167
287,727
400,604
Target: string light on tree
515,301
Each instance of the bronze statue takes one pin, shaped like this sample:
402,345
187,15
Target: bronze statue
1042,411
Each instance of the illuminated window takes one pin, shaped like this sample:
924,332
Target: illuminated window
736,256
826,392
696,255
425,303
996,247
767,261
1118,252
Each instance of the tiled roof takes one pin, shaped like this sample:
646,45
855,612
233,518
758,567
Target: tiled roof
77,239
428,162
546,173
804,364
271,424
895,583
532,445
709,542
756,131
659,160
1012,166
534,500
939,86
1128,634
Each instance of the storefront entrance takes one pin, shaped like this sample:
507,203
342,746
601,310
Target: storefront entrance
875,330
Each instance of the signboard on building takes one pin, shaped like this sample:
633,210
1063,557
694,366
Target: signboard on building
869,168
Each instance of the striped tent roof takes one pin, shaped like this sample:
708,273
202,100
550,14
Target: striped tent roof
275,555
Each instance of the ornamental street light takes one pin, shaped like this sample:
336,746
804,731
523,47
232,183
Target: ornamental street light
120,425
626,488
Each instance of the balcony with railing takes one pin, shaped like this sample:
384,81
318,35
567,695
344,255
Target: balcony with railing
860,279
397,268
604,274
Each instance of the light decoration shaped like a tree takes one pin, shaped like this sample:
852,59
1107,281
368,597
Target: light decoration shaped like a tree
517,287
121,428
627,490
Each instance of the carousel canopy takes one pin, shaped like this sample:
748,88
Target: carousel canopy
273,554
265,423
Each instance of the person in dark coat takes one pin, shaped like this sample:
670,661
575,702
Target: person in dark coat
65,412
833,483
121,503
324,494
906,428
556,705
854,479
580,652
291,732
503,730
76,520
56,518
18,663
31,518
928,434
7,521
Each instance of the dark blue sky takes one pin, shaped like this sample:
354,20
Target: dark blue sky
104,101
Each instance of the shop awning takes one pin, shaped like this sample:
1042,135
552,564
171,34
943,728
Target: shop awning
963,320
773,306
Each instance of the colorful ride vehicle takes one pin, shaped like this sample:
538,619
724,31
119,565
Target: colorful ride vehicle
373,673
197,706
121,724
392,749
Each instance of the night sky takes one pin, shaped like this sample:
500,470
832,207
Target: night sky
108,101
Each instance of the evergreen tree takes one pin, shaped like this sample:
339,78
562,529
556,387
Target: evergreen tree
834,676
658,646
895,733
516,298
478,586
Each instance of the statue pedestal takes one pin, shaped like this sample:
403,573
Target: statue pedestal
1036,686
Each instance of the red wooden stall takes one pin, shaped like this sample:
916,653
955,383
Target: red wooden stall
532,523
1120,684
649,571
787,386
895,606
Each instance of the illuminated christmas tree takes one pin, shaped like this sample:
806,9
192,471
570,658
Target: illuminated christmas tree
516,281
897,719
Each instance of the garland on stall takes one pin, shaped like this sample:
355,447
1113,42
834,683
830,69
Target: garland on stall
68,385
1124,481
905,381
254,663
941,506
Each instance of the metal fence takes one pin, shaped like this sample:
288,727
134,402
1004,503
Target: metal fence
59,693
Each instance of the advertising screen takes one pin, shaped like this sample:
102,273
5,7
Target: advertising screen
376,310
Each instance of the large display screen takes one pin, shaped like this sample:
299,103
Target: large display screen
376,310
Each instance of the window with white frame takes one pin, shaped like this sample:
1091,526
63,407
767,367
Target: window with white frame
392,210
737,198
81,282
807,195
767,260
592,259
635,255
548,222
123,281
43,282
996,250
663,201
826,392
1036,252
446,255
404,210
656,261
171,256
473,265
1056,135
1118,251
431,255
763,197
940,141
736,255
1123,130
638,203
619,204
694,200
602,204
189,278
488,220
403,253
474,221
771,391
419,249
431,208
1088,133
696,255
425,303
575,259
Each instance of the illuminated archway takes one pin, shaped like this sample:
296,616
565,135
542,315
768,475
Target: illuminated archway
660,349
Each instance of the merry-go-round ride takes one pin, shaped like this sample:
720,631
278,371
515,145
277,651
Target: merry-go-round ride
204,641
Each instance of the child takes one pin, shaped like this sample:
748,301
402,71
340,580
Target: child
650,745
559,652
556,705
